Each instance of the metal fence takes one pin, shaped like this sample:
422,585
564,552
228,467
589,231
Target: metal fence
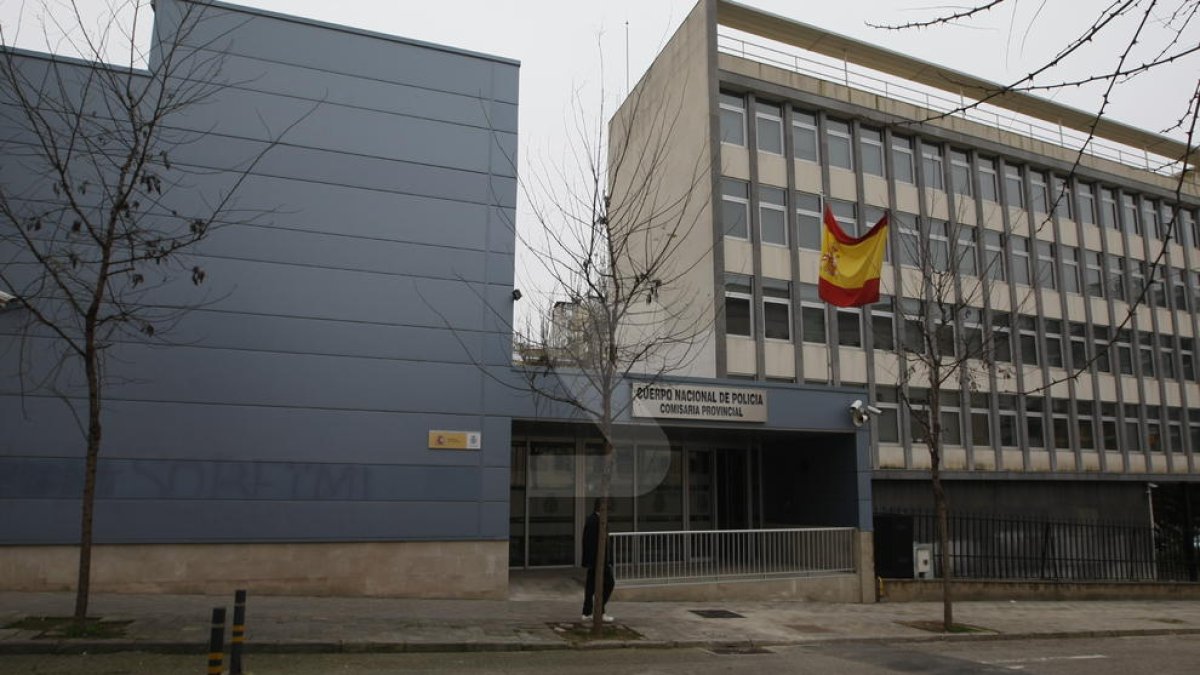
650,558
842,72
986,547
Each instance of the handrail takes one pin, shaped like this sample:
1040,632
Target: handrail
698,556
828,69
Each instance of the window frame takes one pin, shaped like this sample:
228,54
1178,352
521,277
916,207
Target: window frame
778,208
870,140
777,293
747,296
770,113
834,132
805,123
904,155
725,106
742,200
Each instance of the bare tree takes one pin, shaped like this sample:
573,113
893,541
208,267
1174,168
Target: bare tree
935,354
612,236
97,207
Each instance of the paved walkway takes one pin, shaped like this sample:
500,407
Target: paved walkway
179,623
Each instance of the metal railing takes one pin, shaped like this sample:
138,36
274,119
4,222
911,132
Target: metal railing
652,558
987,547
842,72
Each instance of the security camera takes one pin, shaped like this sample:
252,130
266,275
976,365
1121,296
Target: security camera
6,298
516,294
861,412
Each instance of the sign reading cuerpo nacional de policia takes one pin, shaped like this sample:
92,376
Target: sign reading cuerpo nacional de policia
697,402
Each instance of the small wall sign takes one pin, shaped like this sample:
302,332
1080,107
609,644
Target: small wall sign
454,440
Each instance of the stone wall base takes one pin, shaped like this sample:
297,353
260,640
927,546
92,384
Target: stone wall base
451,569
930,590
838,588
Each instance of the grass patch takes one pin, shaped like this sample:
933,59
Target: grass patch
939,627
56,627
578,633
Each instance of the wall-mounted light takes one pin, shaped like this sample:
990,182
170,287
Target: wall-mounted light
6,298
516,294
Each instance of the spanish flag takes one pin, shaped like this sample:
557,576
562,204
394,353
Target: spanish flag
850,267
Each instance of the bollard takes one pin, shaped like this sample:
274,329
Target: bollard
216,642
237,636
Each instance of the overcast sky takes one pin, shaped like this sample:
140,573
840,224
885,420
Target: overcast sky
562,44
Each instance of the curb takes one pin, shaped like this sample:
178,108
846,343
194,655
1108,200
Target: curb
70,647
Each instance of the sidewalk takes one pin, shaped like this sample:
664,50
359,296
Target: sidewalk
180,623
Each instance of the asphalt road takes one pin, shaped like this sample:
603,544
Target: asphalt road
1160,655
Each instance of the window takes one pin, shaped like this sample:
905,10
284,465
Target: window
1179,288
1054,344
1146,349
1063,206
931,163
1108,209
804,136
1175,429
913,338
1060,409
888,400
993,255
1094,273
870,145
1133,428
1187,359
1034,424
939,245
1079,345
967,251
837,135
960,173
1116,276
910,239
1189,223
1137,280
768,123
777,310
1045,264
739,318
849,327
1108,424
1123,345
1014,184
846,214
903,162
1153,225
1087,204
733,118
1001,337
1133,224
883,324
1099,348
808,221
1154,428
970,332
772,215
918,414
1070,269
1020,253
1157,295
981,435
1087,428
1008,421
812,314
1039,192
951,417
989,184
1027,339
735,208
1166,357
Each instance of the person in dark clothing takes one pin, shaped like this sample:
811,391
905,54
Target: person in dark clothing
591,531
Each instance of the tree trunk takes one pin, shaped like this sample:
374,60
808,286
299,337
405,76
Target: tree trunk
83,583
598,607
943,526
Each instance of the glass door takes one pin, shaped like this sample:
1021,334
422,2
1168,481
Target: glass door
551,498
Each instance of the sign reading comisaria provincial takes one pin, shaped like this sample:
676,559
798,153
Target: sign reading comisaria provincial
696,402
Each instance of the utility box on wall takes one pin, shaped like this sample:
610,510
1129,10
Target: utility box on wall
922,561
